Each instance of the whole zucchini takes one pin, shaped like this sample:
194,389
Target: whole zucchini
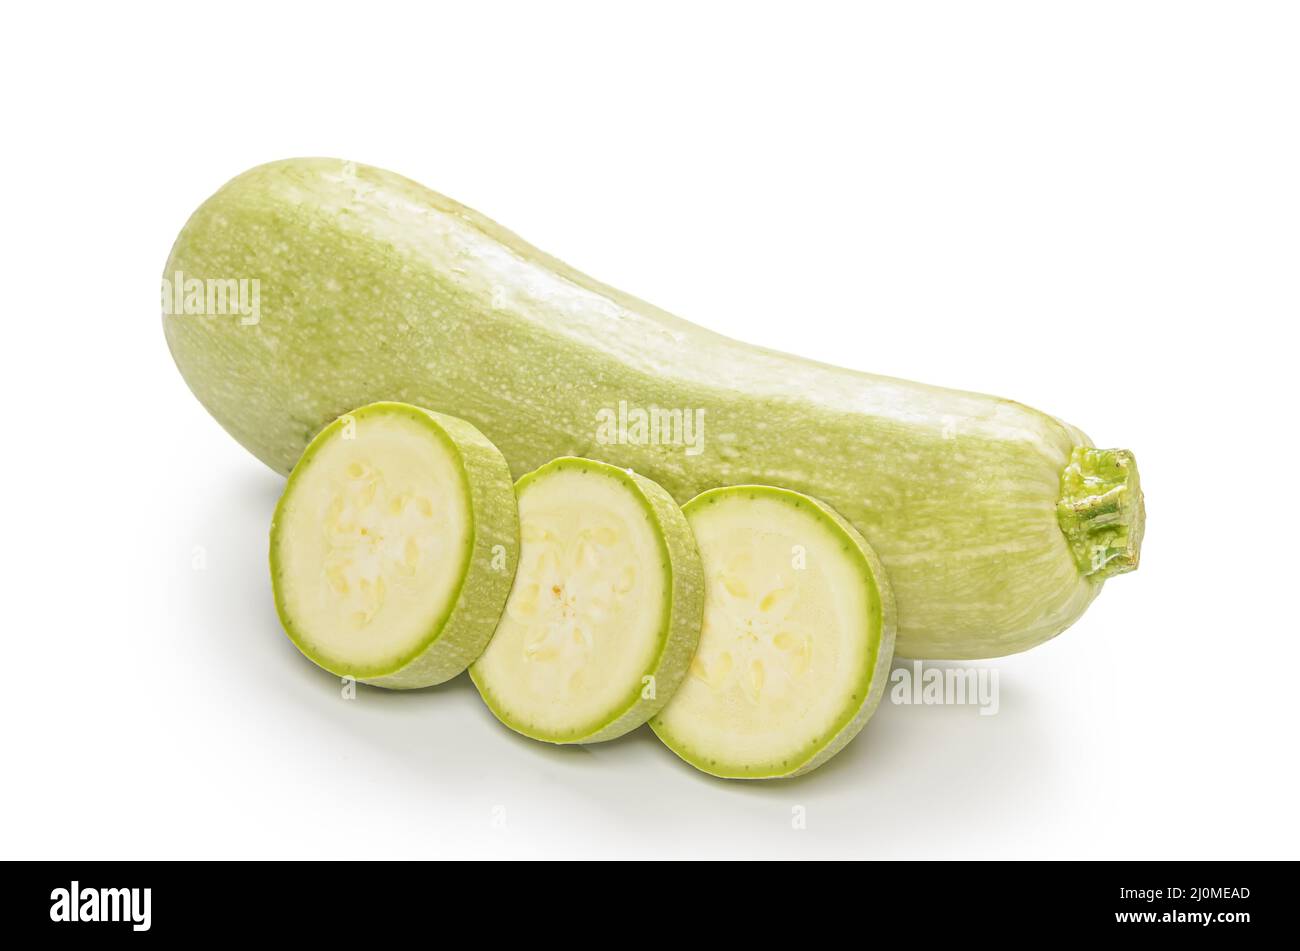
996,523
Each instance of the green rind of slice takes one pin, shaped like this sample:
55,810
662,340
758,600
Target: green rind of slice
861,692
672,626
473,574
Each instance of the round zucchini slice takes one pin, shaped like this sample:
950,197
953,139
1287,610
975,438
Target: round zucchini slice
394,546
797,637
605,610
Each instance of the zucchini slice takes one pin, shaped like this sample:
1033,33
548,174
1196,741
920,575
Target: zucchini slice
797,637
605,610
394,546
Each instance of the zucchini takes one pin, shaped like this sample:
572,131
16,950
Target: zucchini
997,523
797,637
605,611
394,546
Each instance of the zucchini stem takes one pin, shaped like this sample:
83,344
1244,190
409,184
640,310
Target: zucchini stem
1101,511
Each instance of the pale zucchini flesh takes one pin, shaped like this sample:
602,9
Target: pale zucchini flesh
997,523
394,546
605,610
797,637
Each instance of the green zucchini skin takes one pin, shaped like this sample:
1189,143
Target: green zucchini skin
373,287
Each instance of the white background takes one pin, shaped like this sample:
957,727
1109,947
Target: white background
1091,208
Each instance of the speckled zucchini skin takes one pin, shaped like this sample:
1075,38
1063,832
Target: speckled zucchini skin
373,287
